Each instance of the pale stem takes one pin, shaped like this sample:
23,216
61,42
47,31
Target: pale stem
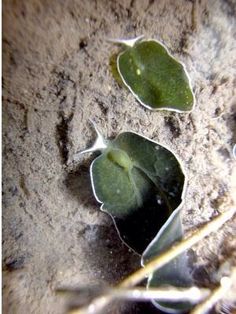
172,294
216,295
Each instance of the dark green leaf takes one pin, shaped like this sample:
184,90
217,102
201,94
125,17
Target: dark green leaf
140,183
156,79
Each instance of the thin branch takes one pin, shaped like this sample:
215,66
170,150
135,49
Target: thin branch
192,294
172,294
191,238
217,294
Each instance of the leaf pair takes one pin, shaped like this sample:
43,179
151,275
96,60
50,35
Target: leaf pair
140,183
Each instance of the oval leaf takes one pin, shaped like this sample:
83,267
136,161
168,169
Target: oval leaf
140,183
156,79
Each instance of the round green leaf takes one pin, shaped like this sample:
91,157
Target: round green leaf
140,183
157,80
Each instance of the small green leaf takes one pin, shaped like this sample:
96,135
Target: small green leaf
157,80
140,183
176,272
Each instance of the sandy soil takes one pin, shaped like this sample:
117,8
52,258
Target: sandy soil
56,76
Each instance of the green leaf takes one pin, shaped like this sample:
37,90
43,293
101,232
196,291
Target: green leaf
156,79
140,183
177,271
